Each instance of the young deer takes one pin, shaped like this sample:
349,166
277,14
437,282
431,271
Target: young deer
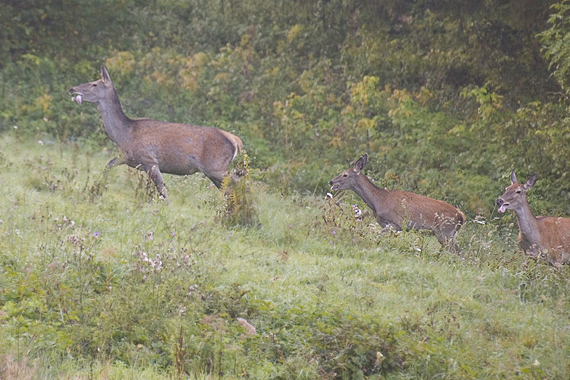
159,147
545,237
392,208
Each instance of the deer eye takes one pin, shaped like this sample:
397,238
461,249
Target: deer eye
345,175
518,191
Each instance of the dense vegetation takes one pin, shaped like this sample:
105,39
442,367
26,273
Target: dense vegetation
446,97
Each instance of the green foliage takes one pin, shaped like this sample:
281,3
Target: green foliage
239,203
59,27
556,42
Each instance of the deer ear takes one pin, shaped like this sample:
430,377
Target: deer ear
105,75
513,177
530,182
361,163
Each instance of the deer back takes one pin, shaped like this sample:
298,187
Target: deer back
400,208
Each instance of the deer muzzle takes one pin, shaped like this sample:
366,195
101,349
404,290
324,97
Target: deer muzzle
78,96
502,205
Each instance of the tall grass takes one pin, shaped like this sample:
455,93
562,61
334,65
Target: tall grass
100,279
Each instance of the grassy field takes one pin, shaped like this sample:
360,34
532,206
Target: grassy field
100,280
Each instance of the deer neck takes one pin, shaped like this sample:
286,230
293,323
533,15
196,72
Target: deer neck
369,192
528,224
117,124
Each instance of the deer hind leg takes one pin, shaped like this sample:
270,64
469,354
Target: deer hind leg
156,177
216,178
447,240
453,246
217,181
445,233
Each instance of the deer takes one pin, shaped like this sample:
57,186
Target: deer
158,147
540,237
394,208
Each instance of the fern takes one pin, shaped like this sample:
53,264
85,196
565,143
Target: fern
239,206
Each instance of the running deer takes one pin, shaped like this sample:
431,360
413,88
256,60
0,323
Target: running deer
545,237
159,147
392,208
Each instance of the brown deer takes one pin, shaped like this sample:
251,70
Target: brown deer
545,237
392,208
159,147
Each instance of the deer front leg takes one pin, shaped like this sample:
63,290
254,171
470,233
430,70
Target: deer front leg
156,177
116,162
388,227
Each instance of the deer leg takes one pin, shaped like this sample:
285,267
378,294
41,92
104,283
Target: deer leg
447,240
454,247
445,231
216,178
156,177
389,227
115,162
216,182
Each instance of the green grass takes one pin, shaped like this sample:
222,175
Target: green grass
82,295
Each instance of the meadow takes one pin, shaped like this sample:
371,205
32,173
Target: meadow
100,279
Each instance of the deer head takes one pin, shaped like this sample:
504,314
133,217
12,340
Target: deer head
348,178
515,195
93,92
